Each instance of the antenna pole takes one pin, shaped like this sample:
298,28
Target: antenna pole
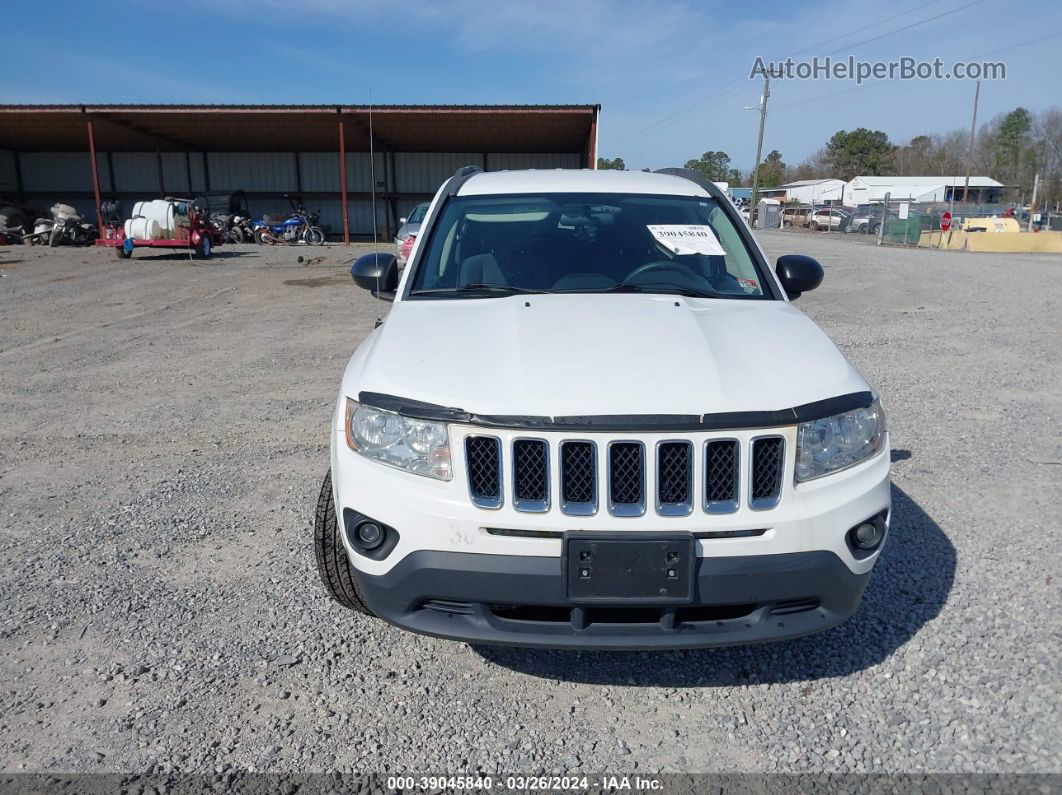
372,178
372,171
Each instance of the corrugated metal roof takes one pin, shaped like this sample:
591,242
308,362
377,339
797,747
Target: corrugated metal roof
298,128
327,107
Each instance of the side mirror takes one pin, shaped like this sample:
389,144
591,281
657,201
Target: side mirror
798,274
402,220
377,273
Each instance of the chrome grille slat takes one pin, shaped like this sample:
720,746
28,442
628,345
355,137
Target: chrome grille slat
484,464
578,470
674,478
626,478
531,475
766,463
722,459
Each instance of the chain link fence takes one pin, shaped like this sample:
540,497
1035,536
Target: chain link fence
901,223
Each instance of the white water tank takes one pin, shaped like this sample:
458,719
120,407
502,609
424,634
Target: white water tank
157,220
143,229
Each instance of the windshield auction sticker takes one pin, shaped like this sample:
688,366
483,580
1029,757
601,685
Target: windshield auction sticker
682,239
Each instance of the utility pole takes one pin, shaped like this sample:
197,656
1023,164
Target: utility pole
969,153
1032,204
759,143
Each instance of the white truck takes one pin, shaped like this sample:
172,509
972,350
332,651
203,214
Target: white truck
593,418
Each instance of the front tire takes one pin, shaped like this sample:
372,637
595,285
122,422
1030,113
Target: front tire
332,564
236,235
314,236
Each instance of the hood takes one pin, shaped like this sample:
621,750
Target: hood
558,355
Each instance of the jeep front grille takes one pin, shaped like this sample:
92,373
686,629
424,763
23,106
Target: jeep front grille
483,456
681,475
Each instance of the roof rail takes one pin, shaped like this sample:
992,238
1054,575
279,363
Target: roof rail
695,177
460,177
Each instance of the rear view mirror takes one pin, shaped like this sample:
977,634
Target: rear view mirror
798,274
377,273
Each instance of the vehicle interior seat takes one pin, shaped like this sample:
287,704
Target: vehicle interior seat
480,269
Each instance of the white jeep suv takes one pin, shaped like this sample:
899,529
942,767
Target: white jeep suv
593,418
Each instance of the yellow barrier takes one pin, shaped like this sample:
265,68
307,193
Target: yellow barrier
1002,242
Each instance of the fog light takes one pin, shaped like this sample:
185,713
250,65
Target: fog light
868,535
370,534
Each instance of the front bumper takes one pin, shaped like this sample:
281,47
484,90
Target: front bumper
522,601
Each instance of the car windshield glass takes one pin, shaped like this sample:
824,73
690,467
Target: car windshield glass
417,216
581,242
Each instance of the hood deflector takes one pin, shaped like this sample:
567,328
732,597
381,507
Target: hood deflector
736,420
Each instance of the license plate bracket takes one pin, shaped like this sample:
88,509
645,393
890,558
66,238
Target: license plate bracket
619,568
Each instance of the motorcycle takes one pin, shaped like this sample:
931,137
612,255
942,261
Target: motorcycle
240,229
228,214
66,226
299,227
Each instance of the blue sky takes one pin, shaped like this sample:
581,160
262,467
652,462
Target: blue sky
672,77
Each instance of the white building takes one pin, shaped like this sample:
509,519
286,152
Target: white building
870,190
808,191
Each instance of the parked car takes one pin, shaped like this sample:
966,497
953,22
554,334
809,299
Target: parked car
867,218
593,417
796,216
408,230
830,219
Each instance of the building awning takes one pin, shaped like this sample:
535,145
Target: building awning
299,128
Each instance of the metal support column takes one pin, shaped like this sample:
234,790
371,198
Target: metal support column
343,180
95,174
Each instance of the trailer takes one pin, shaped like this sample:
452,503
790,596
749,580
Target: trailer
162,223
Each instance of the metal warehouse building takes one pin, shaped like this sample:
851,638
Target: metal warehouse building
321,153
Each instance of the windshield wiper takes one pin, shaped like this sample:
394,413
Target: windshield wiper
481,289
665,289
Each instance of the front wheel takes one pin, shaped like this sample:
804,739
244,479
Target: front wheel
235,235
332,564
314,236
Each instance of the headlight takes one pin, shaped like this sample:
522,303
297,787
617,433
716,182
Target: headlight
416,446
838,442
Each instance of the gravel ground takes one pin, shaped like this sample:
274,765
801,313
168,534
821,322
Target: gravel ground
163,440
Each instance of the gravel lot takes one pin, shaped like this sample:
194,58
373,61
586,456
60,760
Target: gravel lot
163,440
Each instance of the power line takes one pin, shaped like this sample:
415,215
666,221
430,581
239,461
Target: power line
860,30
699,106
833,94
1023,44
883,81
906,27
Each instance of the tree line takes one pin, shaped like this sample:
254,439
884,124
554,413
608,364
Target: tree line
1012,148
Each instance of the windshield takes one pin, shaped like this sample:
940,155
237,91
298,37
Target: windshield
582,242
417,216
